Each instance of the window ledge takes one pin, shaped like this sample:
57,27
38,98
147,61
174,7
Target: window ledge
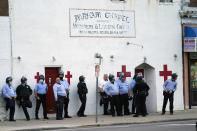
166,3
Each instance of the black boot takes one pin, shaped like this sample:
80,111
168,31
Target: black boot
67,116
37,118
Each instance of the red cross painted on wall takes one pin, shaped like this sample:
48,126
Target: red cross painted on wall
127,74
37,77
68,76
165,73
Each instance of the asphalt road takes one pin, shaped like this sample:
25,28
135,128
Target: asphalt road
161,126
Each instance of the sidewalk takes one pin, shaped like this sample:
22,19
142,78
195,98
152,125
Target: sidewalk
90,121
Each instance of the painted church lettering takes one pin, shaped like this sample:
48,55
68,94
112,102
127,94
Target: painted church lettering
87,22
85,16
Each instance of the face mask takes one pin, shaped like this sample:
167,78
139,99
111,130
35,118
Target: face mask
41,81
10,83
61,78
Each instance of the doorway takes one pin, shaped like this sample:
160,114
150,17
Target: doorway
193,82
148,72
51,73
141,71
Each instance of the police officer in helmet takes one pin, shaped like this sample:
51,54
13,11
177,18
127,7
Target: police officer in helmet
24,92
169,87
40,93
124,94
112,90
82,91
67,88
141,90
9,93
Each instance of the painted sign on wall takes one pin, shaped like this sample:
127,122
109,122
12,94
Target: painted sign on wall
102,23
190,44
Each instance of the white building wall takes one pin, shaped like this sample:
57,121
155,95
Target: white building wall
41,30
4,58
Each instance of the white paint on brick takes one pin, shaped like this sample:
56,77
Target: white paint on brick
41,31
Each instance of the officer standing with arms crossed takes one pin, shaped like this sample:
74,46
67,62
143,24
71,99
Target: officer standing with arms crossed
9,93
23,92
59,94
40,93
66,100
124,94
169,87
112,90
104,96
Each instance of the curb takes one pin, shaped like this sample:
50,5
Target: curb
105,125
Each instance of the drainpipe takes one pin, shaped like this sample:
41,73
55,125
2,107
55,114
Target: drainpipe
10,5
182,2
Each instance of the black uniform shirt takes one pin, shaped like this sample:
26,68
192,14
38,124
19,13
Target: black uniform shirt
82,88
141,88
23,91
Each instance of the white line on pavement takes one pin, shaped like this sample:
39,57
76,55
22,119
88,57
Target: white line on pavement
127,126
90,128
178,125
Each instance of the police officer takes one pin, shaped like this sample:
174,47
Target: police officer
40,93
59,94
82,91
66,100
169,87
141,91
23,92
112,90
9,93
104,96
124,94
134,95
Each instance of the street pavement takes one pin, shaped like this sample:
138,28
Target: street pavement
84,122
189,125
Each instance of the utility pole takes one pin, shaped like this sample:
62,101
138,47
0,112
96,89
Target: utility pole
97,70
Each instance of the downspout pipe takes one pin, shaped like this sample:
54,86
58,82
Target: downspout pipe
10,5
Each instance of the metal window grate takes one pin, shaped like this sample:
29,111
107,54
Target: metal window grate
193,3
3,7
166,1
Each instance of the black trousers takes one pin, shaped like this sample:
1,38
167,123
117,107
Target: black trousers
115,102
105,100
60,106
83,99
66,102
106,105
134,104
10,104
141,105
24,104
165,101
124,102
39,102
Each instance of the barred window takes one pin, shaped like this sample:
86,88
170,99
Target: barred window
165,1
4,8
193,3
